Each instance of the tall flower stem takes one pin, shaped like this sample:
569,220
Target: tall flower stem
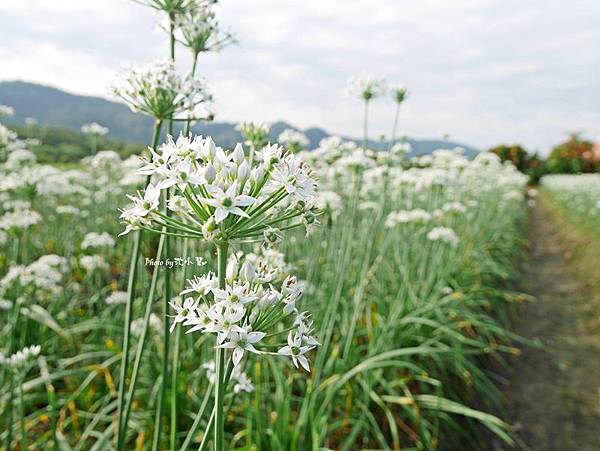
131,284
166,336
188,125
144,333
167,284
219,432
22,414
395,126
366,125
172,35
175,364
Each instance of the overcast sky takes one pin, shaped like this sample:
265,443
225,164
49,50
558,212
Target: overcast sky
482,71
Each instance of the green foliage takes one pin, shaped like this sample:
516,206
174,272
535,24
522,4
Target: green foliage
52,107
61,145
573,156
532,165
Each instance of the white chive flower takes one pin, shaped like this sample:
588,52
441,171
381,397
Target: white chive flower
366,88
158,91
94,129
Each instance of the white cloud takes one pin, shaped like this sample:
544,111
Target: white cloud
484,71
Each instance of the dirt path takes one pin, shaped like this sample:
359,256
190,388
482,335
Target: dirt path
554,394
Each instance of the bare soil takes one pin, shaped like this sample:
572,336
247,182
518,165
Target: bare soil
553,392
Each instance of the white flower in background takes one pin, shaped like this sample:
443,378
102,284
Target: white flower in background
18,360
6,110
443,234
158,91
293,140
19,158
417,215
241,379
105,159
242,382
93,128
93,262
454,207
21,219
175,7
401,149
198,29
398,93
255,134
94,239
45,274
68,210
330,201
117,297
7,136
211,372
513,195
366,88
368,205
31,121
154,322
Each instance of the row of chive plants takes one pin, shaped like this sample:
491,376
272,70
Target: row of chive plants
404,279
400,281
578,195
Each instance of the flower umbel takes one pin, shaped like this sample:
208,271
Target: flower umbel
223,195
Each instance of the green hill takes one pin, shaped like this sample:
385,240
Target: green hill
52,107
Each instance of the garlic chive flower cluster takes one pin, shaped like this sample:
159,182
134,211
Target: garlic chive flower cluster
254,313
255,134
398,93
366,88
94,128
169,6
293,140
6,110
7,137
19,359
198,29
241,379
158,91
223,195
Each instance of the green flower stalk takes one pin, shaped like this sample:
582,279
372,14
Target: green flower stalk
227,197
399,94
367,89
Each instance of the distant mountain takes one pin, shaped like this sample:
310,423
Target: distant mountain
55,108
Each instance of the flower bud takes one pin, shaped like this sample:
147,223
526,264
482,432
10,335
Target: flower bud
271,236
230,171
254,315
257,174
210,173
232,269
210,229
243,171
247,272
238,154
209,148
